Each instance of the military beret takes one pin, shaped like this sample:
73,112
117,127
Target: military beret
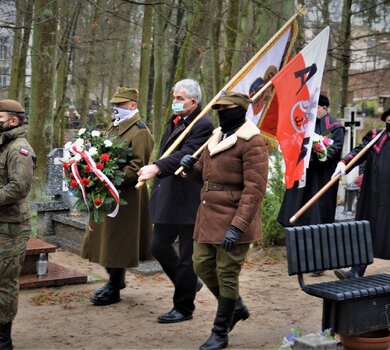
385,115
123,94
323,101
231,98
11,106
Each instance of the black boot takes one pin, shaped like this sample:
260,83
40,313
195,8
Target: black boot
354,272
5,336
219,334
104,287
111,294
241,312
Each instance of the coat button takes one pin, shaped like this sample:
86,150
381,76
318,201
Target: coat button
203,202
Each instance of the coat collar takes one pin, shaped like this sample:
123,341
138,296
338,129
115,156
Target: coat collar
12,134
125,125
246,132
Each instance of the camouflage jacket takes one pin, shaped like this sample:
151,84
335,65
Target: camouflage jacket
17,162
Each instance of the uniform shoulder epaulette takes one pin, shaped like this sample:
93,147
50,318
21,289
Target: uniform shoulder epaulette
140,124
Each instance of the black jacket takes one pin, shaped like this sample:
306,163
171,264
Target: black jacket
175,200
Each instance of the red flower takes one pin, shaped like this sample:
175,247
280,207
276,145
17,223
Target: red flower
86,180
87,169
318,147
100,166
71,175
74,184
105,157
66,166
98,201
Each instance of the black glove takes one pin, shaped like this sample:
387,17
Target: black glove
187,162
231,238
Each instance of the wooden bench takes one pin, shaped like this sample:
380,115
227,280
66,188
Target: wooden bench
350,306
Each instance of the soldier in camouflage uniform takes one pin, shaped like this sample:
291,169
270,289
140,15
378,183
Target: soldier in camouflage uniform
17,161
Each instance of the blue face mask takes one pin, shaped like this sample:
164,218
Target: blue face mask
178,107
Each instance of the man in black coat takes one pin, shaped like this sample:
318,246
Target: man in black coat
174,201
373,203
317,175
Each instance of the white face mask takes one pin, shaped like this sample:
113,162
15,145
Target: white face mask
121,114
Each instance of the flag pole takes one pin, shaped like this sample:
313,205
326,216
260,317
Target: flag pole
349,166
180,169
300,11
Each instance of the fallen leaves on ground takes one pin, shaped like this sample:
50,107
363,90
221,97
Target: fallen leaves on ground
55,297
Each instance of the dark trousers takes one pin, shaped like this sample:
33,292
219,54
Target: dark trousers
178,267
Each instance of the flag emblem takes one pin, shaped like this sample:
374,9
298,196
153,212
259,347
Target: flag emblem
24,151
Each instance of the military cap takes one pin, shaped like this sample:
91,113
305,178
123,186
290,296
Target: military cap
231,98
123,94
323,101
11,106
385,115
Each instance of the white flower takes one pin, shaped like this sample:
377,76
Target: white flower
79,142
82,131
92,151
77,157
317,137
95,133
107,143
67,145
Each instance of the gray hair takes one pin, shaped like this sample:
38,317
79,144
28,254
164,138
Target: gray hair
190,87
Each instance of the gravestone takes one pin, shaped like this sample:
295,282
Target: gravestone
56,188
351,123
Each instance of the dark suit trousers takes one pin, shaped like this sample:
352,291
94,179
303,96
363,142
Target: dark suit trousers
178,267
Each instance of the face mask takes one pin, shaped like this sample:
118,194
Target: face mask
2,129
120,113
179,107
387,127
231,119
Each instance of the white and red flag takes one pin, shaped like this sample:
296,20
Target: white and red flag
270,59
297,87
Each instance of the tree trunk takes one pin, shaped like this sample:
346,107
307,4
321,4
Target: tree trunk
40,133
230,38
145,59
13,91
158,88
345,41
62,74
86,88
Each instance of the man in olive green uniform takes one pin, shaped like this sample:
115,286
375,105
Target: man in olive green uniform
123,241
17,161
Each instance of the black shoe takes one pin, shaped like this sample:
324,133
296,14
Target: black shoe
317,274
344,275
199,285
104,287
173,316
107,297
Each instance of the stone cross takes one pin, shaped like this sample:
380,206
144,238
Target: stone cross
351,123
56,186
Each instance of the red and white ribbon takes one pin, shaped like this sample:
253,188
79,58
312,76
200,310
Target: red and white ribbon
102,177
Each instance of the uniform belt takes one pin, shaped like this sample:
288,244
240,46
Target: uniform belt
209,186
